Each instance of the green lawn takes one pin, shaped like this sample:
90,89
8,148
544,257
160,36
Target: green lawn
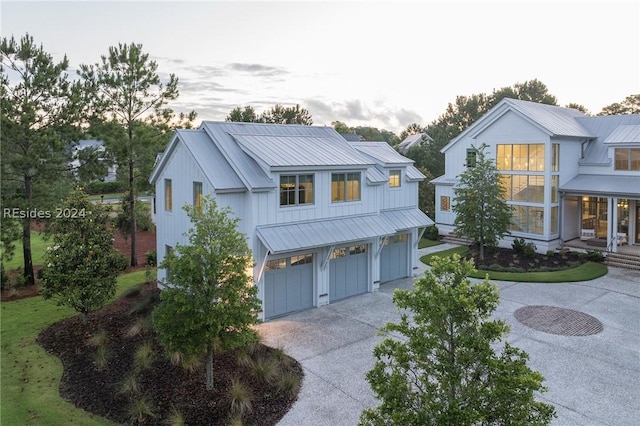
428,243
38,247
30,376
585,272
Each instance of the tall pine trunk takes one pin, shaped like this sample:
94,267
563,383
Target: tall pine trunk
26,233
132,206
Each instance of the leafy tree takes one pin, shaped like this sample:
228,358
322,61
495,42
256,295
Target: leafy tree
210,300
427,194
482,214
412,129
464,112
287,115
92,164
341,127
123,219
243,115
129,102
579,107
277,114
81,266
446,370
39,111
630,105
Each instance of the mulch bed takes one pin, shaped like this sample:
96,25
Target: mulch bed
168,387
506,258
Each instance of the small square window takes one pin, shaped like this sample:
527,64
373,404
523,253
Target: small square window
445,203
395,180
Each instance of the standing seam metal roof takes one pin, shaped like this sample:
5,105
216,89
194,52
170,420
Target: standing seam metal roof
325,232
381,152
283,151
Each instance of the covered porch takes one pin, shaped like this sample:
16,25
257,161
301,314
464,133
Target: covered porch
602,212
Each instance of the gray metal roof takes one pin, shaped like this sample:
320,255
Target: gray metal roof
305,150
320,233
444,180
609,185
402,219
251,174
627,133
216,168
413,174
602,127
413,140
554,120
375,176
558,121
381,152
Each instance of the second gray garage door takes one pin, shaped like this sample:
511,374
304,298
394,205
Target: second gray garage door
394,258
288,285
348,272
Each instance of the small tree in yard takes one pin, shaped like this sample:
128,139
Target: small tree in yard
445,370
210,300
82,266
482,214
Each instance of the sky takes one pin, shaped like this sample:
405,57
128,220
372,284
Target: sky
382,64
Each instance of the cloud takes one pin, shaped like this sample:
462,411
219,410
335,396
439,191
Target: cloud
258,70
355,112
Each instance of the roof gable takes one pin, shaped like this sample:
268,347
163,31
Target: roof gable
553,120
381,153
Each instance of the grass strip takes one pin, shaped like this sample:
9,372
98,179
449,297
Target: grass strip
31,377
585,272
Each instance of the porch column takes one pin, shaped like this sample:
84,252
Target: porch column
612,229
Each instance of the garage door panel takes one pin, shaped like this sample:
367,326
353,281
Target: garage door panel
394,258
288,288
348,272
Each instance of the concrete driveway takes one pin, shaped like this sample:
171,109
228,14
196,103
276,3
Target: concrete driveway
592,379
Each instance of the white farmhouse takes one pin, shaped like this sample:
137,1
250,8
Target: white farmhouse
325,218
567,176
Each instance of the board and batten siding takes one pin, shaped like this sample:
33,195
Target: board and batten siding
171,226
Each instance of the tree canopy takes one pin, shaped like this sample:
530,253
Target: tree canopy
439,365
81,266
39,112
129,103
277,114
630,105
209,299
482,214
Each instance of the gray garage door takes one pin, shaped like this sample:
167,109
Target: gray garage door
394,258
348,272
288,285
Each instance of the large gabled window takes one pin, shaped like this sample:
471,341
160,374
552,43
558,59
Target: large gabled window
345,187
296,190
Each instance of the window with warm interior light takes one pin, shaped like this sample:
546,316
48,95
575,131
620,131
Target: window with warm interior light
445,203
296,190
168,195
395,178
345,187
627,159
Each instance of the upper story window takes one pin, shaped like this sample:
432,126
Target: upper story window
526,157
345,187
627,159
445,203
471,157
555,157
197,196
168,195
395,178
296,190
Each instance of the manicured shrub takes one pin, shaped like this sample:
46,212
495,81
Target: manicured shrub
431,233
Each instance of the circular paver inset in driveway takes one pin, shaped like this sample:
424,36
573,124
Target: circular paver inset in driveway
555,320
